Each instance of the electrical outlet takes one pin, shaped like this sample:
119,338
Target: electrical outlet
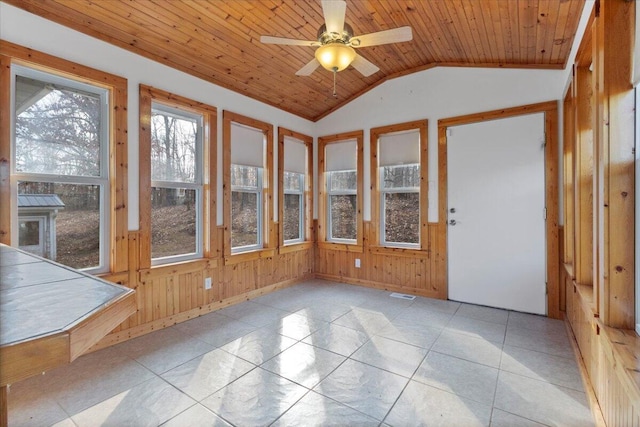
357,262
207,283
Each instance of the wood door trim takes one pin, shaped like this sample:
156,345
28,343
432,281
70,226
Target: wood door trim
550,110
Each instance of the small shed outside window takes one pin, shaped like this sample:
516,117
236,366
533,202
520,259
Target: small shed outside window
37,223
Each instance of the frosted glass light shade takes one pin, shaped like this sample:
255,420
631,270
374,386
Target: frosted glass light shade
335,56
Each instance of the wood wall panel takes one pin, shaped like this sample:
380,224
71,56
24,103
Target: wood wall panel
166,295
421,274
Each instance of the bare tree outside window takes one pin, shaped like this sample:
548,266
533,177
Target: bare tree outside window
343,205
176,183
246,212
293,207
400,189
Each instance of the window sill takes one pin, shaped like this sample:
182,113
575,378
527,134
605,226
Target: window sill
248,256
295,247
404,252
346,247
163,270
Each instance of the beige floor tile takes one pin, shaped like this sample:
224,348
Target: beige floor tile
148,404
422,405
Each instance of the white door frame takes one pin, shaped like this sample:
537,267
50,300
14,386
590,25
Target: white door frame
550,110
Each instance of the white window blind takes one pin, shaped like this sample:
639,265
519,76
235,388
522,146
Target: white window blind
341,156
295,155
247,146
399,148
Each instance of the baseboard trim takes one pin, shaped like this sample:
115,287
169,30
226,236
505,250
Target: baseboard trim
380,285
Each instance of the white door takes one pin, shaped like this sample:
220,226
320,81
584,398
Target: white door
496,196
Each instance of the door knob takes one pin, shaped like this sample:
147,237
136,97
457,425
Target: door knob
452,222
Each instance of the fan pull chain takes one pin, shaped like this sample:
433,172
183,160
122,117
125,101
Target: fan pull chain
335,71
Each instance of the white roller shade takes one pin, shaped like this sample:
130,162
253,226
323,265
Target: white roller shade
341,156
636,50
400,148
247,146
295,155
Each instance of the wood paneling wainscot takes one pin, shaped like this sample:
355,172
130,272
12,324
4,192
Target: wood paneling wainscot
170,294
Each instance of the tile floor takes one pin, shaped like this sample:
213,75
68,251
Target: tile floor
322,353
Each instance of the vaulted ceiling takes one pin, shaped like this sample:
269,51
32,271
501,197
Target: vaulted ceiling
219,40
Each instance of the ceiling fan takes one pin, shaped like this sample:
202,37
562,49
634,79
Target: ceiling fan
336,42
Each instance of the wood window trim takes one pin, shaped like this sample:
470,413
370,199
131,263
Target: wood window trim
308,192
148,95
323,141
375,239
10,53
550,110
269,229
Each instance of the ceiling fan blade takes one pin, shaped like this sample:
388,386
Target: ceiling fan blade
365,67
401,34
292,42
309,68
334,11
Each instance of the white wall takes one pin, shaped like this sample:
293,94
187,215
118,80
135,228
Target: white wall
23,28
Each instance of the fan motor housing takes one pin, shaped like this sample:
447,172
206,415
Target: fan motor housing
325,37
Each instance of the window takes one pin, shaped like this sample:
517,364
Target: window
248,211
340,214
295,203
398,154
176,184
246,208
177,199
61,167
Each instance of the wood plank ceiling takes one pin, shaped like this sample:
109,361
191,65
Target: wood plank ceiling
218,40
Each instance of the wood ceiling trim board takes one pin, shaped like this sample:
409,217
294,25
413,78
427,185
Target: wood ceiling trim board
449,32
248,83
458,12
476,33
529,11
496,42
573,12
502,65
301,54
436,33
515,28
552,22
273,56
421,24
496,31
400,19
506,30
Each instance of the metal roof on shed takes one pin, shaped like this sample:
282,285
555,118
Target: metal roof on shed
39,201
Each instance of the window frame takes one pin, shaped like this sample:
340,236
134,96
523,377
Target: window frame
197,185
323,193
114,222
306,193
206,239
268,229
378,243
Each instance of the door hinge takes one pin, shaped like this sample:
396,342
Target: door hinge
545,214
